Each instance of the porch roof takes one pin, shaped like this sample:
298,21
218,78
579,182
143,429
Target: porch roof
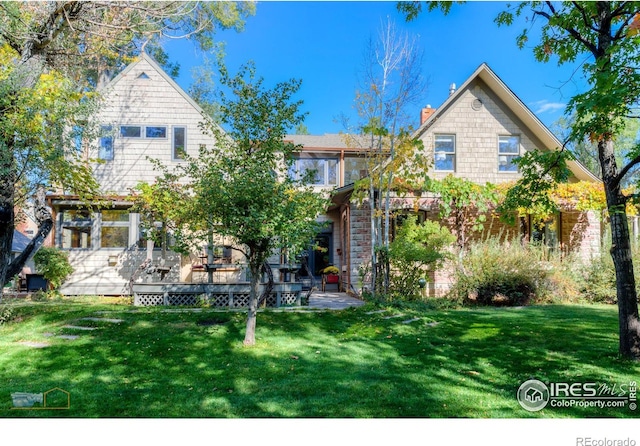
19,242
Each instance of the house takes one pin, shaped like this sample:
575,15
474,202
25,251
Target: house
475,134
144,115
337,162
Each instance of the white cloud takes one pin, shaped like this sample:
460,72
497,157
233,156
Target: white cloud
545,106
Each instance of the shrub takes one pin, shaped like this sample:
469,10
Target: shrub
502,274
54,265
598,277
6,314
415,250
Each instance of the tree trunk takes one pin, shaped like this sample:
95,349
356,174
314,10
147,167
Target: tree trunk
257,257
6,240
266,268
252,312
7,204
374,261
629,323
45,224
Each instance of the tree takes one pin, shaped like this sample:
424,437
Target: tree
54,265
607,33
56,52
242,189
390,83
415,250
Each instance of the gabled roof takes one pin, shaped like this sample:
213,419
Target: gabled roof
518,108
331,141
19,242
144,56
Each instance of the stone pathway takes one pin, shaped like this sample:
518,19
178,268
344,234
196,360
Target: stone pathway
77,327
406,321
33,344
102,319
329,300
72,337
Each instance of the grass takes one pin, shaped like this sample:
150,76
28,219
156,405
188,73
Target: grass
449,363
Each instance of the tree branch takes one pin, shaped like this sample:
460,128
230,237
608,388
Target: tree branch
574,33
585,18
616,181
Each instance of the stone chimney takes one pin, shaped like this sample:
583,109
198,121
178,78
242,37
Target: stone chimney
426,113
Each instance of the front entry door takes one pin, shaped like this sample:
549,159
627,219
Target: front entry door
321,254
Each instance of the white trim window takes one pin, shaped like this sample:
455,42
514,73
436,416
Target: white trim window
75,229
444,153
114,228
316,171
179,143
155,131
355,168
131,131
508,150
105,146
146,131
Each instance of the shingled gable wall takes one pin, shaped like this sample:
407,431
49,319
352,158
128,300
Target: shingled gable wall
144,95
477,116
141,95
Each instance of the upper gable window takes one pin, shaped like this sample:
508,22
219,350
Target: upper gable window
105,150
138,131
508,150
155,132
130,131
445,153
179,145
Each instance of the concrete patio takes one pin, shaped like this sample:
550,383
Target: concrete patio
333,300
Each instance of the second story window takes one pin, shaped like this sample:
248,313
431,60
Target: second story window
105,150
179,146
131,131
355,168
156,131
445,153
508,150
318,171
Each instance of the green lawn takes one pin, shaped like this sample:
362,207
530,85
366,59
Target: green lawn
449,363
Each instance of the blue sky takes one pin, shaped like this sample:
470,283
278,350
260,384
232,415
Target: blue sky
322,43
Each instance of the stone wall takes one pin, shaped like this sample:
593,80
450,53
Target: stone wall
360,242
581,234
